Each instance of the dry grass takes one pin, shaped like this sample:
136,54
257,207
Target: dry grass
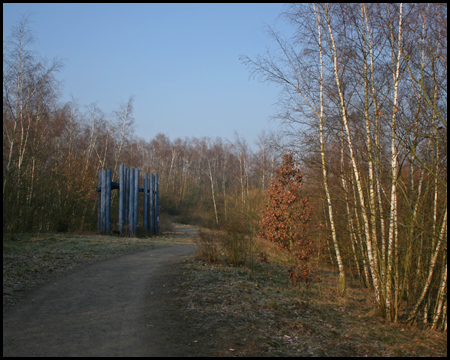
237,315
220,246
265,316
30,261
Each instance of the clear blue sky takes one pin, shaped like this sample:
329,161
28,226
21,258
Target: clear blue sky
180,61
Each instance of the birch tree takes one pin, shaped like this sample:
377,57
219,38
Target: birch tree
370,79
125,121
29,92
26,81
304,90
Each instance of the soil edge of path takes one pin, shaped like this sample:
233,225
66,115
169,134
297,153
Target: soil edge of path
129,306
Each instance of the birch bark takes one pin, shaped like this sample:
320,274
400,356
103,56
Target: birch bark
341,285
393,219
372,261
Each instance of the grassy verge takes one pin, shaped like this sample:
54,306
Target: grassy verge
266,316
30,261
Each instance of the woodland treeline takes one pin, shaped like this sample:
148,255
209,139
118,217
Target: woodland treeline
363,109
52,152
365,97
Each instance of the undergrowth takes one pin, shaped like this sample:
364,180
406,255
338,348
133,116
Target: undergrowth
261,313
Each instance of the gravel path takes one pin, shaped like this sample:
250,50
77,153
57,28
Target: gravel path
122,307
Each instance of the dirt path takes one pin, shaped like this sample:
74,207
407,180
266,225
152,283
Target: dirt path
122,307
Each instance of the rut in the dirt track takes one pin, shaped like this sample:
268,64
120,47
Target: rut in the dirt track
120,307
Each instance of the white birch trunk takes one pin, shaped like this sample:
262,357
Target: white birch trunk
392,238
126,114
442,294
356,172
341,285
213,192
431,268
372,193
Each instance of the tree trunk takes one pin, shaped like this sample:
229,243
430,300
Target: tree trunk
342,285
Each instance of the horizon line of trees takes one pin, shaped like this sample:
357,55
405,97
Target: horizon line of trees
52,152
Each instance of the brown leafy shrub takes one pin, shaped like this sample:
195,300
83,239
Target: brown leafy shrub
286,220
235,247
222,246
208,245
